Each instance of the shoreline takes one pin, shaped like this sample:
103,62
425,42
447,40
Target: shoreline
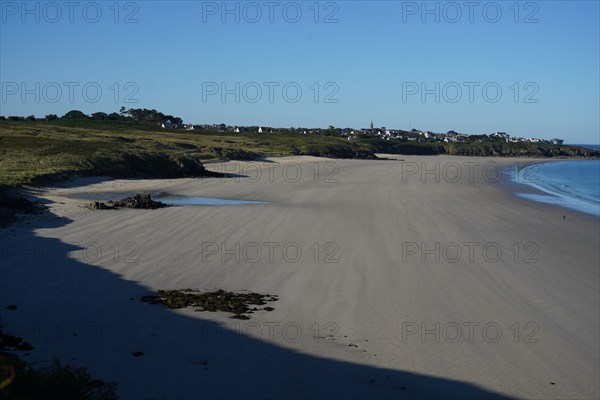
549,194
371,297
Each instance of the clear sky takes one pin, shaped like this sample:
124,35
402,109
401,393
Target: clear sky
527,68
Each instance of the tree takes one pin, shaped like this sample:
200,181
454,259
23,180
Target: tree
75,114
51,117
30,118
148,116
115,117
100,116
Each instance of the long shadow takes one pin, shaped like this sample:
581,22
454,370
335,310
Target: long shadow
89,316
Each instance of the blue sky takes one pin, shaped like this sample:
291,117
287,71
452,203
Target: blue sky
353,61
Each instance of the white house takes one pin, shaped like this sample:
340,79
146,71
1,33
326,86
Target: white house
260,130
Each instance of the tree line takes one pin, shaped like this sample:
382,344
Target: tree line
133,114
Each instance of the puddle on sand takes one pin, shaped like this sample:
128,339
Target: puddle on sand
171,199
205,201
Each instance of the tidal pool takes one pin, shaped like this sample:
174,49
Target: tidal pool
171,199
205,201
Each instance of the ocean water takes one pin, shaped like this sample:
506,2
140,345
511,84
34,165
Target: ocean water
571,184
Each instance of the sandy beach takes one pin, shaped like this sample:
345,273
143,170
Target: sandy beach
415,277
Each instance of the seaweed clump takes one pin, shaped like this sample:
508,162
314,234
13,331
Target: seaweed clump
238,304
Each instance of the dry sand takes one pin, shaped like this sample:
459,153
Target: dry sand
368,307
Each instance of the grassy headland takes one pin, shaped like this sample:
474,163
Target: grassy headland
38,151
34,152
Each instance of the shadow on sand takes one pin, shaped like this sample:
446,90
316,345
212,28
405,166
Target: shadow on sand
89,316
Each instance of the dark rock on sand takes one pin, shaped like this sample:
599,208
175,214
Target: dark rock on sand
139,201
98,205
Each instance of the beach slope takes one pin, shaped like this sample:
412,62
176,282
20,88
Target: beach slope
419,277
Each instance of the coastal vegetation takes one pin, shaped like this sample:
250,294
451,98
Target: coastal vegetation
39,151
20,379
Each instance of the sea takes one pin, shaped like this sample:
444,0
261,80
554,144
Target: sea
573,184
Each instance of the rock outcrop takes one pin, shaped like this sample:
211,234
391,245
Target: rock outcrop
140,201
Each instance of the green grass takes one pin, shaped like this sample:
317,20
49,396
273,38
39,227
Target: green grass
31,152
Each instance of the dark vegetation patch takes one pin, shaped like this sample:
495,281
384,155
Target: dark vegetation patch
11,342
20,380
11,206
479,149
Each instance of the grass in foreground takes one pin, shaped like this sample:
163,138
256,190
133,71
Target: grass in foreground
20,380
